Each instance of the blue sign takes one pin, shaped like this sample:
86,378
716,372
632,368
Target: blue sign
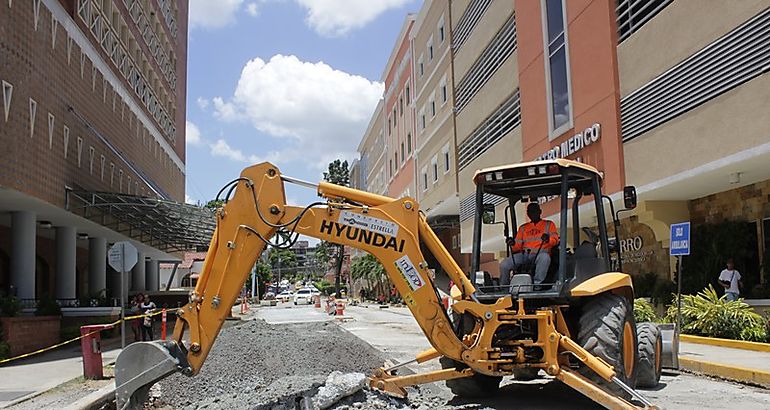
680,239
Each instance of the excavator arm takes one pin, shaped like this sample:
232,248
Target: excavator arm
389,229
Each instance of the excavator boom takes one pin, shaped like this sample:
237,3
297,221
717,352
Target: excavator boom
389,229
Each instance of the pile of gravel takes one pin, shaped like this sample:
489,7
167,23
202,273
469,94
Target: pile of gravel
257,365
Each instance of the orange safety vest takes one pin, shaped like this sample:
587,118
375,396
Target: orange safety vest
530,235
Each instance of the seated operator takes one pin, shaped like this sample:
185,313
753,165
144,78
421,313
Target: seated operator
534,241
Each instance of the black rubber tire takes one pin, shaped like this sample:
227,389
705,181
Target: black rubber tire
650,348
602,321
526,374
478,385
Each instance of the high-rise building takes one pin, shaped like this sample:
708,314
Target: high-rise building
93,142
398,114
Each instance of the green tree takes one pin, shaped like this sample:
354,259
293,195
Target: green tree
264,275
371,271
339,174
283,263
214,204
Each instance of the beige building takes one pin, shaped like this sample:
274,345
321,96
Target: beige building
371,151
670,95
486,104
433,102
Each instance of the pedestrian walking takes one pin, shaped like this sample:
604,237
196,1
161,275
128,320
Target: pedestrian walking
730,279
134,310
147,307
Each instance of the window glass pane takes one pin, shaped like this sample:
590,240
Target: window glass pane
555,19
559,91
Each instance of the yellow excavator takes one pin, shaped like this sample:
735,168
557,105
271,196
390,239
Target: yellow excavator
577,325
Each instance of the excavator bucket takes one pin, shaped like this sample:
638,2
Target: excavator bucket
142,364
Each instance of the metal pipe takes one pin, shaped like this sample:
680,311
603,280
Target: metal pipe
299,182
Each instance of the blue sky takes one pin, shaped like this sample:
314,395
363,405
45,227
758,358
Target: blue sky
290,81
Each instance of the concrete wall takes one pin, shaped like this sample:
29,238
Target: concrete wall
675,33
727,124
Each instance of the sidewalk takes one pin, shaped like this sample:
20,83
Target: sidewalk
746,366
34,375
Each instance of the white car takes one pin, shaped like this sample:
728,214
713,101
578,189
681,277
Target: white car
303,296
285,296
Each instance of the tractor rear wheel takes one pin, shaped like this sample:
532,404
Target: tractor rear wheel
607,331
478,385
650,348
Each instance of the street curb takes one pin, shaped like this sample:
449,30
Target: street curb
739,374
735,344
106,393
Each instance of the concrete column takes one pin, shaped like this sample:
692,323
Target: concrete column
65,262
23,235
97,265
151,275
137,274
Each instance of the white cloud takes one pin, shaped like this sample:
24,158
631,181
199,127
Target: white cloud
203,103
210,14
221,148
318,113
190,200
193,134
334,18
252,9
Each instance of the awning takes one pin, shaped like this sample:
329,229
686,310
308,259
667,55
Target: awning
166,225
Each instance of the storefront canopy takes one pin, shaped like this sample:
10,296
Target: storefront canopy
166,225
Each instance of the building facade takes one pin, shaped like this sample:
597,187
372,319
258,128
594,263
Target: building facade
93,101
666,96
398,114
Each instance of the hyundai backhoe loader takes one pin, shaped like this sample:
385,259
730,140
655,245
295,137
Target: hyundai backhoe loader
576,326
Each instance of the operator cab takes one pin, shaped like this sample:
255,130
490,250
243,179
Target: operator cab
563,189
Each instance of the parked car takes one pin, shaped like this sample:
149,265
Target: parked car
285,296
303,296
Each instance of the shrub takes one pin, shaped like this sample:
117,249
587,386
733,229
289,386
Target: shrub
644,312
706,314
47,307
5,350
9,306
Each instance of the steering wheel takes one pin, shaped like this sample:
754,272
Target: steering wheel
592,236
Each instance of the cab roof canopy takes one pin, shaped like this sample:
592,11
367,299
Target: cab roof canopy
536,178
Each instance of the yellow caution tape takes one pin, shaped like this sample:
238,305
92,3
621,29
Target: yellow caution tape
113,324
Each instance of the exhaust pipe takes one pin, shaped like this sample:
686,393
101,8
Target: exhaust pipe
142,364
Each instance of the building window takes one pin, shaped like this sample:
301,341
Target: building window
424,175
91,152
66,140
432,103
401,105
80,150
102,159
443,91
434,168
7,95
395,117
430,48
407,93
422,118
557,72
390,129
441,34
112,173
32,115
420,67
409,143
395,156
445,153
402,153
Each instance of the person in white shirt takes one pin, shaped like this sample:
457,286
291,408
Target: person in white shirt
730,279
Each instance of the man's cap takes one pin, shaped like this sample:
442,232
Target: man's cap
533,207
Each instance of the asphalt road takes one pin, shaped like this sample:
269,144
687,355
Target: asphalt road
395,332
